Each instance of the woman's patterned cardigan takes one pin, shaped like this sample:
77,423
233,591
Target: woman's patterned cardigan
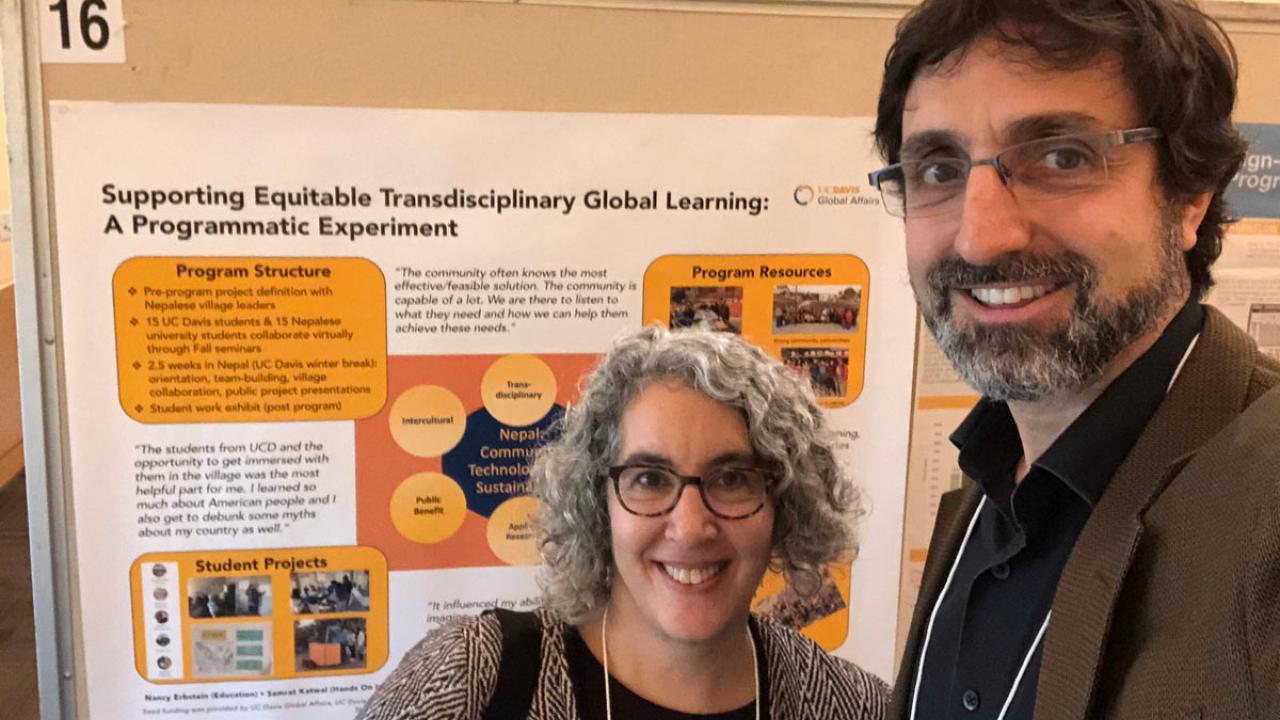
451,674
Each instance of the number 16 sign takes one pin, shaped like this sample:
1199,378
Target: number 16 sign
82,31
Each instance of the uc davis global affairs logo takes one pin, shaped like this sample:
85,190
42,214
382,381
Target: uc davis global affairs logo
833,195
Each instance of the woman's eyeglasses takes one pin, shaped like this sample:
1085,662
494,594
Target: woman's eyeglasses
729,492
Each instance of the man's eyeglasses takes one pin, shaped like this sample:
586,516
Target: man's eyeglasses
728,492
1036,170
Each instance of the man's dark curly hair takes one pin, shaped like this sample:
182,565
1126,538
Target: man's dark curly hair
1177,62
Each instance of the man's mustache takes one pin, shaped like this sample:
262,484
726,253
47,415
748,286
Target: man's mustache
1065,267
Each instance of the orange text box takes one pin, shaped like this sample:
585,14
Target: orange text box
810,311
233,339
296,591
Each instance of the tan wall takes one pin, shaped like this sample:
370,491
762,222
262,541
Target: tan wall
521,57
487,56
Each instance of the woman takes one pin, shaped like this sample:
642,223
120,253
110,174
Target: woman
648,582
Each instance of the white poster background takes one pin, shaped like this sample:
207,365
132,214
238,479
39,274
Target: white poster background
175,146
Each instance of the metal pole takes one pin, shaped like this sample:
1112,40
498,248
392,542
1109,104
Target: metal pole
38,342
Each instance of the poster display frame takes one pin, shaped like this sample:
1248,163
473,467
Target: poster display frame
58,635
38,361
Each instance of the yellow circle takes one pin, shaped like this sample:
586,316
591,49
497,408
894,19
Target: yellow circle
428,507
518,390
510,531
427,420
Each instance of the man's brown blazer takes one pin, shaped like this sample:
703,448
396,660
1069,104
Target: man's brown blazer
1169,606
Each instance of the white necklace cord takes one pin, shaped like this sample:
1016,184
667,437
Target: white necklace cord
604,650
604,644
1025,662
1178,370
928,633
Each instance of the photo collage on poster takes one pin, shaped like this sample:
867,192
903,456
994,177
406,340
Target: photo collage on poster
252,615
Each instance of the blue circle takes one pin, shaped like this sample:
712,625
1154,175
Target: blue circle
491,461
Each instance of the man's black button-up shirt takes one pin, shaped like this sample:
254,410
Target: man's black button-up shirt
987,621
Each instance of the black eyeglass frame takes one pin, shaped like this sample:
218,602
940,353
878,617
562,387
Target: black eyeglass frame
615,474
1111,138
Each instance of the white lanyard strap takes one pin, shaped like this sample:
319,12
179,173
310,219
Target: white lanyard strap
1025,662
928,633
1178,370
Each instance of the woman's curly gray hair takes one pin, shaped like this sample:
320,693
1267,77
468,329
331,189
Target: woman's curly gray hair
813,501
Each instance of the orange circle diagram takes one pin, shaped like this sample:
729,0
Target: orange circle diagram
510,531
428,507
518,390
427,420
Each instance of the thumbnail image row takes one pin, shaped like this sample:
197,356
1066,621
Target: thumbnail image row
309,593
796,309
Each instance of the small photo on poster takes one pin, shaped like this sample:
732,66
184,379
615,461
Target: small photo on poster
827,368
231,650
338,644
816,309
329,592
1264,327
707,308
798,611
217,597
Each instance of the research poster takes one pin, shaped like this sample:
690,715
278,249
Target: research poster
1247,276
942,400
309,353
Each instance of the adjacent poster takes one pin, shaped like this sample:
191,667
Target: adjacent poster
942,400
1247,275
309,353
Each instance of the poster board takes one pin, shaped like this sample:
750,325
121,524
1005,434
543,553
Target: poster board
740,69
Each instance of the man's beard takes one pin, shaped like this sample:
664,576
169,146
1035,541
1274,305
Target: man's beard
1023,363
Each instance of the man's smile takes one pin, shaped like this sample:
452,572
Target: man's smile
1010,294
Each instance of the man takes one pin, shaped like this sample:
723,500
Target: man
1059,165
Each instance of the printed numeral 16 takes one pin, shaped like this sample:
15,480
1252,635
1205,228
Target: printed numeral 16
93,27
